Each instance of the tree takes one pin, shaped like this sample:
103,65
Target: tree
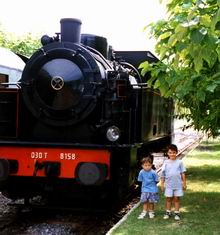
24,45
188,45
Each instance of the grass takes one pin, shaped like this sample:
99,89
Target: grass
200,204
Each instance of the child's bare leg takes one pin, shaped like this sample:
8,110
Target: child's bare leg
151,210
168,207
145,210
177,207
146,206
168,203
151,206
177,203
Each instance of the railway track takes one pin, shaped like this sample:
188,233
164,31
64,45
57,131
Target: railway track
39,221
17,220
185,145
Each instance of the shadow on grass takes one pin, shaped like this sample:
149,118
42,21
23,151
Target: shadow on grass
211,147
206,173
206,156
203,203
201,212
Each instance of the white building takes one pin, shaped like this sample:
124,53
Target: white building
11,67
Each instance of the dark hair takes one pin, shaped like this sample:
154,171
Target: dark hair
146,160
172,147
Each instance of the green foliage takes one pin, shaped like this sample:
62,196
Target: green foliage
24,45
188,44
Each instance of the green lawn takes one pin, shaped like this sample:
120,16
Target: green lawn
200,205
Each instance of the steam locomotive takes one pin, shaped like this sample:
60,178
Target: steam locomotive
79,119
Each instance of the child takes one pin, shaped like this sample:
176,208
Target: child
149,190
173,181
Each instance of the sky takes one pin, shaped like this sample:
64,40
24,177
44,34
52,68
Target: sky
120,21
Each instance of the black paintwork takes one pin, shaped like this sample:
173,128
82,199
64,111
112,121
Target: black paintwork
70,94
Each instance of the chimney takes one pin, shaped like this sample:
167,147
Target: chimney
70,30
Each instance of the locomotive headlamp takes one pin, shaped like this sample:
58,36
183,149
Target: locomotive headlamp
113,133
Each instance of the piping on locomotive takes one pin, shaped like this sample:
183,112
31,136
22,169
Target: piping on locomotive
80,118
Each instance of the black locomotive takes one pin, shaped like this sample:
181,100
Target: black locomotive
80,119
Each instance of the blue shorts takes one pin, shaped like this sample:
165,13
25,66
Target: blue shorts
173,192
149,197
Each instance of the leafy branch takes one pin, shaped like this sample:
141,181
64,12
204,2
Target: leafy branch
24,45
188,44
